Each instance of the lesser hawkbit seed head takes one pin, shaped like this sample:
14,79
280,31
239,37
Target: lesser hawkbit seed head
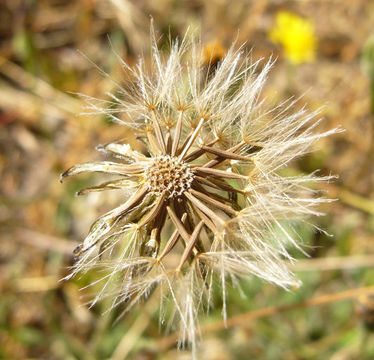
207,202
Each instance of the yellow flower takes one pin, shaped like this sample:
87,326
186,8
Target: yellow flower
296,35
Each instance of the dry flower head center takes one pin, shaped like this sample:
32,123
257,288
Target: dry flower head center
170,174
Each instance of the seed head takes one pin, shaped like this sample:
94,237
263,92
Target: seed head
207,201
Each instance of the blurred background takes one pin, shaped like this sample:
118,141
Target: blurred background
325,51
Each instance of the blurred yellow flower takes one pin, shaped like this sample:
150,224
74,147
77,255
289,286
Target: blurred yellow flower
297,37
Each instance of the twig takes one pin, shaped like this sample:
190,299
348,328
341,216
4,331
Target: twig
272,310
136,330
45,242
59,99
352,199
36,283
334,263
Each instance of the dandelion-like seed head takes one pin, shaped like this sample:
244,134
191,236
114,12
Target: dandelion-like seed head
206,201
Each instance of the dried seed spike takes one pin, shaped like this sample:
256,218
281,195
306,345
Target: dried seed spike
132,202
220,173
219,160
225,154
185,141
172,241
155,211
219,185
190,245
123,151
214,203
180,208
192,138
114,184
153,244
177,133
158,131
177,223
102,166
168,142
197,186
209,223
205,209
154,146
198,152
